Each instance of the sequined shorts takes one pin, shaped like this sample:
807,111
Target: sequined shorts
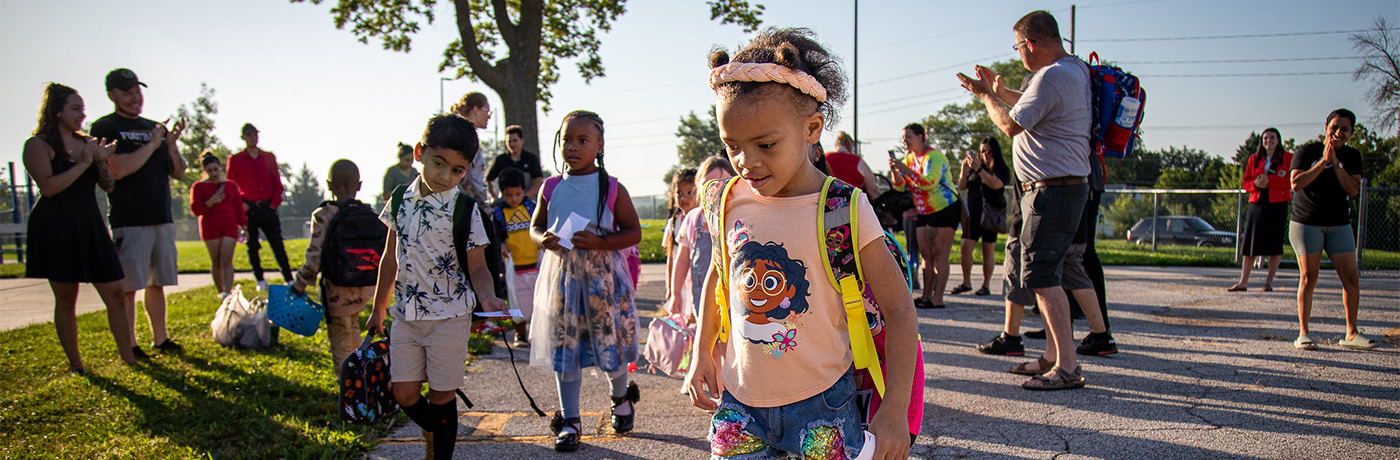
822,427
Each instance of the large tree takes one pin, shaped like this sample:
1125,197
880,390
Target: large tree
699,140
1380,66
512,46
198,138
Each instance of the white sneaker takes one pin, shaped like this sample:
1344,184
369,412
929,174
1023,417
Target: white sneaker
262,286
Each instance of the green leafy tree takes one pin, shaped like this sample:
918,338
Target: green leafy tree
513,46
959,128
699,140
1380,66
304,194
198,137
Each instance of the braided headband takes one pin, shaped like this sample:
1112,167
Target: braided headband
767,72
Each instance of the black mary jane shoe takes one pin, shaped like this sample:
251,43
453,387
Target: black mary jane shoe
563,441
623,423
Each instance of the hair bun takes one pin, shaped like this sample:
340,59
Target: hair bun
718,57
787,55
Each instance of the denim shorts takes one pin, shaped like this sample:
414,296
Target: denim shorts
823,426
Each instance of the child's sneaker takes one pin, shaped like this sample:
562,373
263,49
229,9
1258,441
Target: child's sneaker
1097,344
1003,345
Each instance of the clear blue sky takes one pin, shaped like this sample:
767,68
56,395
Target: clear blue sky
319,95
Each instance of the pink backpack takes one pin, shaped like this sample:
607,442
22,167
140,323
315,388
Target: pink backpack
668,346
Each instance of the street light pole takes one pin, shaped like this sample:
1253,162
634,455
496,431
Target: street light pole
442,104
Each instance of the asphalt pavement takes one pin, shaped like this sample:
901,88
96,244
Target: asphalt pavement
1201,373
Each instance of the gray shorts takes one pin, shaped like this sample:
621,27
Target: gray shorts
1051,219
1314,239
148,256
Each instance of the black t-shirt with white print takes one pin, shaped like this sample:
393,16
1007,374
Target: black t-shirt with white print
142,198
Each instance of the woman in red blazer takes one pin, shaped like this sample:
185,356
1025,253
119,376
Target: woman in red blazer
1266,221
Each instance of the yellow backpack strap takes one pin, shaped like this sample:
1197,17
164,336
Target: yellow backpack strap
837,222
714,196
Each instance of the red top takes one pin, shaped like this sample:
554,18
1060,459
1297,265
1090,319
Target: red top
846,167
258,178
1278,188
227,214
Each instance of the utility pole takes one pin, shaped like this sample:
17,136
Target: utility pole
855,73
442,105
1071,29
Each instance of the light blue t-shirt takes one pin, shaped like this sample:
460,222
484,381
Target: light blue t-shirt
1055,112
579,194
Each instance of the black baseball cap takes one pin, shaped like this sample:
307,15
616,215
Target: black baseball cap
249,127
122,79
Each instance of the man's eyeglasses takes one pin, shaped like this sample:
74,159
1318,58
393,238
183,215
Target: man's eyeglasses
1017,46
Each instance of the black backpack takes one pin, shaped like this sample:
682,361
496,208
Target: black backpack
353,245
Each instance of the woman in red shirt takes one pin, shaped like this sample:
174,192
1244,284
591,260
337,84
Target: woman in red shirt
219,206
1265,223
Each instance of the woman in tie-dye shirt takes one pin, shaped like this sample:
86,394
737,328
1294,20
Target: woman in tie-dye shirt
937,203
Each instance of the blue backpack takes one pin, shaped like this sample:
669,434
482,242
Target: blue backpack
1118,108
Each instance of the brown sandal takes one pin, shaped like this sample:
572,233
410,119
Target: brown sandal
1056,379
1022,369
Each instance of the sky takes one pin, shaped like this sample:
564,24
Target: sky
317,94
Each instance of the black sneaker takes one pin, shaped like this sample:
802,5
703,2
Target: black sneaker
168,345
1037,334
1003,345
1097,345
140,354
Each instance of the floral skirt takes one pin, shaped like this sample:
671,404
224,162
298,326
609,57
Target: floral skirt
584,312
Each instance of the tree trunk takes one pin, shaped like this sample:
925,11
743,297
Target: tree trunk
515,78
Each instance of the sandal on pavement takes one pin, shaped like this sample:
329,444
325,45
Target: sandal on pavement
1268,288
1359,342
961,288
1303,342
983,291
1237,288
1056,379
1024,368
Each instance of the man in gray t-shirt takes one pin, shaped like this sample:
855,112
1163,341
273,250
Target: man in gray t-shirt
1049,124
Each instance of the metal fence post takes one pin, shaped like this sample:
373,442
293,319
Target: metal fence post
1239,224
1155,222
1361,229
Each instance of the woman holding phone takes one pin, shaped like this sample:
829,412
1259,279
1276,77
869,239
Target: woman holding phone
219,206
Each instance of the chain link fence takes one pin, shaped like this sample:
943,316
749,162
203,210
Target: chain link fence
1378,230
1203,218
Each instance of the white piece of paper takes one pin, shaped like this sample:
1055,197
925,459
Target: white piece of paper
501,314
867,451
573,224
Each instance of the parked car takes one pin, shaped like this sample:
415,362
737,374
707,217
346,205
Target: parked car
1183,230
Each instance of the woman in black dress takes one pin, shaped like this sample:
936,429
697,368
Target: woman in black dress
68,242
984,176
1266,221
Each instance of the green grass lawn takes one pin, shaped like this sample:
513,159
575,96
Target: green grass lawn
208,401
194,257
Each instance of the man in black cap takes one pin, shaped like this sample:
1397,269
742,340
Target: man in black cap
255,171
145,160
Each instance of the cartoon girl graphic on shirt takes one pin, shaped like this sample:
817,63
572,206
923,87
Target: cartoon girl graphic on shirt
771,290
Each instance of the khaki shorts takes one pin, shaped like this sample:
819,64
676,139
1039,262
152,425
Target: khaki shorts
433,351
148,256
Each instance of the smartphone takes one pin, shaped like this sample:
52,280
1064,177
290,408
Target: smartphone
894,154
